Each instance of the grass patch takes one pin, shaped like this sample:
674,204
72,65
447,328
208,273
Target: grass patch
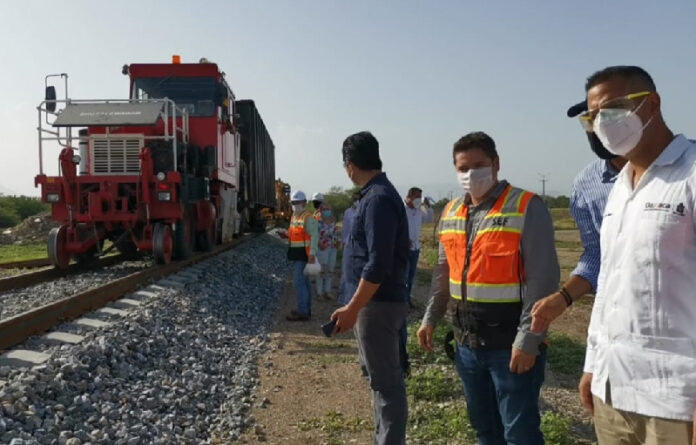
556,428
421,357
440,423
566,355
428,256
334,424
22,252
434,384
569,244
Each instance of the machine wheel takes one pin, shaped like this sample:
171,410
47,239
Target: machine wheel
88,256
184,237
244,221
162,243
207,238
126,246
57,254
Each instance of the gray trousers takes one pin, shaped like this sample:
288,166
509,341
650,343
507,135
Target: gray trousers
377,333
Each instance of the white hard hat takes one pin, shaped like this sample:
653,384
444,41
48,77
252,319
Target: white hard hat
298,195
317,197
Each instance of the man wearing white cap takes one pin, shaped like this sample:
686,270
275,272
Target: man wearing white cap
303,237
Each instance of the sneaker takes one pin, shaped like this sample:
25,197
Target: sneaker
296,316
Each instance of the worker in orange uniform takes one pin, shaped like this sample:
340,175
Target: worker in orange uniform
303,235
496,259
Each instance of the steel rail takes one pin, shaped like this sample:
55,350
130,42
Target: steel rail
26,264
41,276
16,329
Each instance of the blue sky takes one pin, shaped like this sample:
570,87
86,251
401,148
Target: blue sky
418,74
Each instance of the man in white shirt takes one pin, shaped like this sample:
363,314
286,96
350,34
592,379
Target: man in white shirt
640,364
417,212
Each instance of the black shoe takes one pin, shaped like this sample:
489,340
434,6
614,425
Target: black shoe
295,316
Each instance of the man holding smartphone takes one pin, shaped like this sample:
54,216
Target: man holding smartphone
375,267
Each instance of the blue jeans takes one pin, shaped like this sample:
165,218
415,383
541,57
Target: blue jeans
503,406
303,288
412,268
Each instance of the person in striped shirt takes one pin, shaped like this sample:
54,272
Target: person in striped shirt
589,196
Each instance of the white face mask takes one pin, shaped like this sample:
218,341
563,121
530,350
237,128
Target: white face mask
298,208
619,130
416,202
477,181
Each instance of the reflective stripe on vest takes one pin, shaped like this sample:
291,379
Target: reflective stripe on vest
299,238
495,272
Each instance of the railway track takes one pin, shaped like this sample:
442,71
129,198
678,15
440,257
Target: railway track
16,329
26,264
43,275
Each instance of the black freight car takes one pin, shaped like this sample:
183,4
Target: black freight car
258,167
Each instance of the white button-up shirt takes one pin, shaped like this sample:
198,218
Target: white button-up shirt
416,218
642,334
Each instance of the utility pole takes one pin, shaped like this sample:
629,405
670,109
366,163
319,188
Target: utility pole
543,181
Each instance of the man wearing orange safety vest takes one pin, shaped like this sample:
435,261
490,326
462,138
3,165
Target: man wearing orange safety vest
303,235
496,259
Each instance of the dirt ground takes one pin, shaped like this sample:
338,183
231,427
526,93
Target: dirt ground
311,390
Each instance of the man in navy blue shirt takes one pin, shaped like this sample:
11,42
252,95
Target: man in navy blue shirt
375,267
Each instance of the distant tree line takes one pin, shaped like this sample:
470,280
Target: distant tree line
14,209
558,202
340,199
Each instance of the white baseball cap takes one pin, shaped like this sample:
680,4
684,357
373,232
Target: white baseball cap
298,195
317,197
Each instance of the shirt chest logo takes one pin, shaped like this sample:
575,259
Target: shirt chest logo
499,221
665,207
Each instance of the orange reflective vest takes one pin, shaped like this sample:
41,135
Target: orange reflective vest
495,270
299,238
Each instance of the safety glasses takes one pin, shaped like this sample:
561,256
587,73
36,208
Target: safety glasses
621,104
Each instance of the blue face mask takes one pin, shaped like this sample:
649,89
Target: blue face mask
326,213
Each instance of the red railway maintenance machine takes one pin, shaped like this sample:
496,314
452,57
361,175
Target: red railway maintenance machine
180,165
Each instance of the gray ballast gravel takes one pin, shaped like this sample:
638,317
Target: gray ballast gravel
180,369
16,301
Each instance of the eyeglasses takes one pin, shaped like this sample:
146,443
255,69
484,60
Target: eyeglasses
626,102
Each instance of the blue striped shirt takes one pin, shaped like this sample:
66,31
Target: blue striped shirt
589,196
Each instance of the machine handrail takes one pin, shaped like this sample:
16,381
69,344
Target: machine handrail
169,108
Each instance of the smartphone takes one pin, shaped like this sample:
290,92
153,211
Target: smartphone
329,327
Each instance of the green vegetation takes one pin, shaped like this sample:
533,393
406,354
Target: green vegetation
13,209
440,423
339,199
22,252
334,424
562,220
419,356
568,244
434,384
558,202
565,355
437,410
556,428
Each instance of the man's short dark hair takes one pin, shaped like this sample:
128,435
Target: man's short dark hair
627,72
413,190
362,149
476,139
